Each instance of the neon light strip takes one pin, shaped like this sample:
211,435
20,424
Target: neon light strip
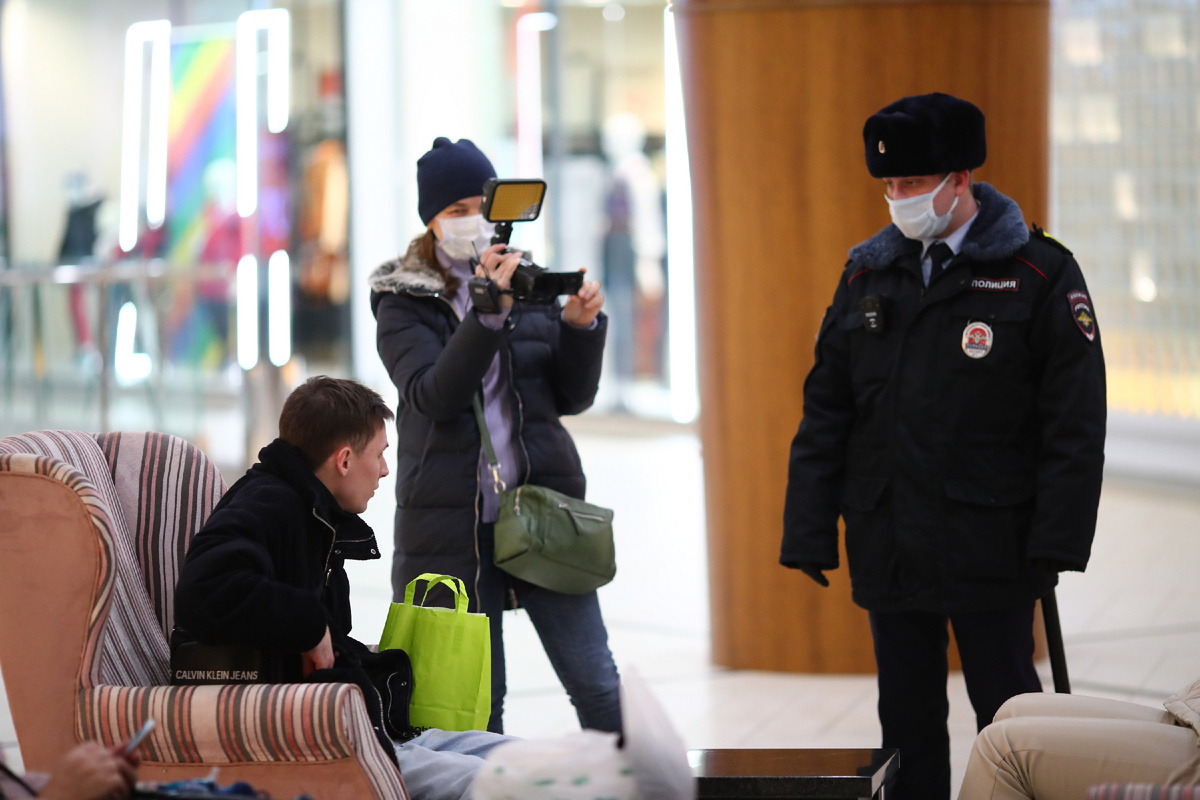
279,49
681,297
160,104
277,23
157,32
130,367
279,308
247,311
247,117
529,91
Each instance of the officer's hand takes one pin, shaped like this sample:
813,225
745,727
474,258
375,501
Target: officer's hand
1048,566
813,571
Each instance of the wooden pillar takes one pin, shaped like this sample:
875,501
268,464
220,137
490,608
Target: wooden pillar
775,94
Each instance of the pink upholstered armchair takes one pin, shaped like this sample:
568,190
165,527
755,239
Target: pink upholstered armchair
94,528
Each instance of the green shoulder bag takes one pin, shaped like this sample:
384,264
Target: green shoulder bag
548,538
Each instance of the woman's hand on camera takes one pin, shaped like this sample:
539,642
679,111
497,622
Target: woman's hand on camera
581,309
499,266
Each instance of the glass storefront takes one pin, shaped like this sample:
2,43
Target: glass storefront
1126,123
177,189
177,198
1126,199
575,92
605,135
192,192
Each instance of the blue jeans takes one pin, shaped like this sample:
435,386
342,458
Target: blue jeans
441,765
572,633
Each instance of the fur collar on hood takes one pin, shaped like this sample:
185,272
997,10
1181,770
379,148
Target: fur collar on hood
409,273
998,232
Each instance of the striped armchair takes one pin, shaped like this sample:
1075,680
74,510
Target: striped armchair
94,529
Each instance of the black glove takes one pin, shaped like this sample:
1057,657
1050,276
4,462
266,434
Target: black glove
813,571
1048,566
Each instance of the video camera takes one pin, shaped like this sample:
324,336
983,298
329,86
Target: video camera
505,201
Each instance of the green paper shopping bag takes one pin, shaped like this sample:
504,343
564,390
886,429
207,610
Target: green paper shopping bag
451,654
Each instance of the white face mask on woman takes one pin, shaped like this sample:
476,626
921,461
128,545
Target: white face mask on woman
465,237
915,217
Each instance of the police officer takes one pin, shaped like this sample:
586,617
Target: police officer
954,418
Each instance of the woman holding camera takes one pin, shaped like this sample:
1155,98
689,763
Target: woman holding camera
533,363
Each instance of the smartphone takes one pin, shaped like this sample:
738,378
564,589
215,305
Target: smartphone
133,743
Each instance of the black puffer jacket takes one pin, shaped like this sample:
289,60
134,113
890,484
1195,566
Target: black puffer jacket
952,472
438,363
266,570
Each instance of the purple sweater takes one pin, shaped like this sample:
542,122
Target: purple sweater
496,400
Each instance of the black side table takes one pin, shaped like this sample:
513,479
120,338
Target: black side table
799,774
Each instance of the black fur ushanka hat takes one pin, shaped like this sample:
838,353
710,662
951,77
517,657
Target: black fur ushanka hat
926,134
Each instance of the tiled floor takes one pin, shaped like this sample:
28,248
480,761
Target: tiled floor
1131,623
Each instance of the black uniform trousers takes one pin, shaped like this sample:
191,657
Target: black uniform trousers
910,653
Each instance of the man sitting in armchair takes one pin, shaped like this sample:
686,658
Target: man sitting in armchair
266,571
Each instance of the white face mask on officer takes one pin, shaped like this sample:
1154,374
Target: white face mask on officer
465,237
915,217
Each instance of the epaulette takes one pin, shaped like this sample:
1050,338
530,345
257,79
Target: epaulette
1045,237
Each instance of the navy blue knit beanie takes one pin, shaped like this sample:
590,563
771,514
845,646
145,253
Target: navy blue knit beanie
449,172
924,135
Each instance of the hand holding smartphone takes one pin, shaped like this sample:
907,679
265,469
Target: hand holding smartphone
132,745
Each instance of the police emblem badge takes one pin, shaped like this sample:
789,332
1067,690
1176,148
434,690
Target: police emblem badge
977,339
1081,312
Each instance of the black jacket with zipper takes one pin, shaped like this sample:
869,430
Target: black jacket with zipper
267,571
437,362
960,436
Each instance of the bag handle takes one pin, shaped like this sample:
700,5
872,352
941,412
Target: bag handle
497,483
452,583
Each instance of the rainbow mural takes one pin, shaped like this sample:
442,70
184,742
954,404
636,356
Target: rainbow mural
201,132
200,194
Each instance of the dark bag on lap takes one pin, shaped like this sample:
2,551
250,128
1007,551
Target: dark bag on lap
193,663
385,679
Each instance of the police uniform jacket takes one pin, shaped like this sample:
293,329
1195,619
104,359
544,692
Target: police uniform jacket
957,429
437,362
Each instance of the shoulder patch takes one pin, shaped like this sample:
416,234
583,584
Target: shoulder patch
1081,312
1045,237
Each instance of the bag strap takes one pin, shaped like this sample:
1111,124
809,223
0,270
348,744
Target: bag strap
497,483
449,581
